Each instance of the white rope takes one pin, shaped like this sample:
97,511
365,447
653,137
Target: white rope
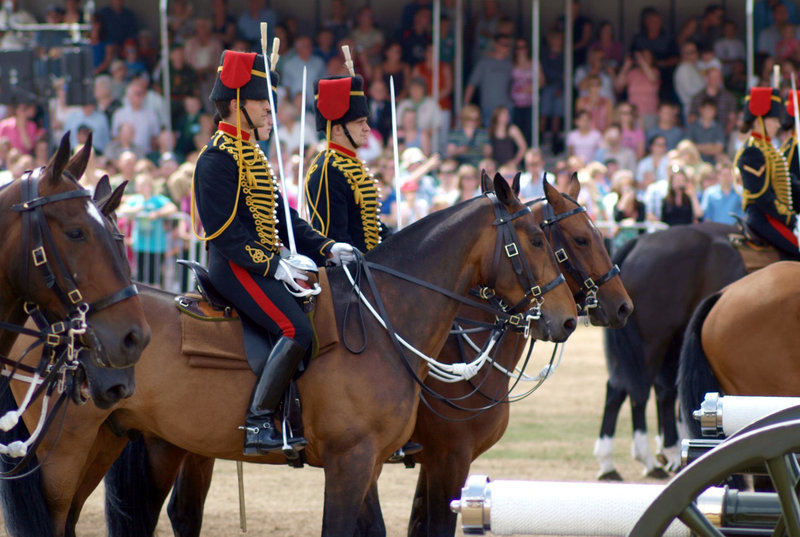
449,373
11,418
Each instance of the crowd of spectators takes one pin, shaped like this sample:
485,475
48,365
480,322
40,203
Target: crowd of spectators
655,120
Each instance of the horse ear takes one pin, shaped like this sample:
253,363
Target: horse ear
574,187
515,184
503,190
549,190
112,202
59,161
101,190
77,164
486,183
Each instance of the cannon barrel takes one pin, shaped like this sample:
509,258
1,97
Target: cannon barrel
599,509
720,415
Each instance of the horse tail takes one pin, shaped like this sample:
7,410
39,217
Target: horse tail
695,377
625,360
128,491
25,511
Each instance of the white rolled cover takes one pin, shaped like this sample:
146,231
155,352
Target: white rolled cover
571,508
739,410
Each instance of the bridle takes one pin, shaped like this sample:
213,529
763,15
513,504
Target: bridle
586,296
38,239
522,313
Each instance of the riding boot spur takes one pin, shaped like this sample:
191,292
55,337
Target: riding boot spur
261,435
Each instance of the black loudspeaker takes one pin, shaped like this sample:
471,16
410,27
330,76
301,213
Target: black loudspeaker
17,83
77,67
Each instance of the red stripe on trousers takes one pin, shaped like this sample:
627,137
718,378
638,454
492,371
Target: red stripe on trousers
782,229
263,301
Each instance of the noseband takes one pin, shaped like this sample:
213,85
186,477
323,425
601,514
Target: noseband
37,239
586,297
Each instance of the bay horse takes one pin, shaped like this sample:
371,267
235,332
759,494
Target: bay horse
666,274
743,340
358,409
61,264
452,438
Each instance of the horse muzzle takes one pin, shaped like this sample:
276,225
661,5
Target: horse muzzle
106,387
552,327
115,352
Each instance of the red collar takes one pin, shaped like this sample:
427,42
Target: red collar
759,136
340,149
227,128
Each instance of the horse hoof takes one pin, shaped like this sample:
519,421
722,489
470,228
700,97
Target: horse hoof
613,475
658,473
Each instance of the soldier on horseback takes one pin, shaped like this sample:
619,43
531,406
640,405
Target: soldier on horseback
239,204
768,186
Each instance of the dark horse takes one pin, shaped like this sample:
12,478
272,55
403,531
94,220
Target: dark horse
357,409
667,274
452,438
743,340
59,261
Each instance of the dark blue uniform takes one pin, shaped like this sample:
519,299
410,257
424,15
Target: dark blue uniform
245,218
342,199
767,196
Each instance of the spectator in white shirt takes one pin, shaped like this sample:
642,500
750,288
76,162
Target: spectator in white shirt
134,112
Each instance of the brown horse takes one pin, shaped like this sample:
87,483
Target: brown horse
60,263
358,409
452,438
743,340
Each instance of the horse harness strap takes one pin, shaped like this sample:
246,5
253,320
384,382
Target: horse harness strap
586,297
508,241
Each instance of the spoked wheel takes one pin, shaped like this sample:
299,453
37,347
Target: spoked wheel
772,446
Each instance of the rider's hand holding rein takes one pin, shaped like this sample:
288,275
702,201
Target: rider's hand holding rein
342,253
289,274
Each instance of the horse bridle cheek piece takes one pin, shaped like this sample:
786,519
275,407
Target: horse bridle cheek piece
586,297
38,239
508,242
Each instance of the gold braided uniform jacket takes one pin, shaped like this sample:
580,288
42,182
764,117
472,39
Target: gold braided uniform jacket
240,207
789,151
342,199
766,182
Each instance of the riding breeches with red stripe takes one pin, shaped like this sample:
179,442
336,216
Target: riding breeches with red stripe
262,299
773,231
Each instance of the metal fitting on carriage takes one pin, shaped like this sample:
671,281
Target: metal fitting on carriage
710,414
475,505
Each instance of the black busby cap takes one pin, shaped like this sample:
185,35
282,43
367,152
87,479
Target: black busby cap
763,102
340,100
243,71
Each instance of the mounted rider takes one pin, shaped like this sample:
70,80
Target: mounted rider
239,204
341,194
768,185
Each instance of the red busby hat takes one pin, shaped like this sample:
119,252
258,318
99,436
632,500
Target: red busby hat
763,102
243,71
339,100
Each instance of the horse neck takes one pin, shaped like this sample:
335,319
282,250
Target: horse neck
11,310
441,252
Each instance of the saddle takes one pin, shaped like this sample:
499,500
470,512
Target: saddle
211,330
755,252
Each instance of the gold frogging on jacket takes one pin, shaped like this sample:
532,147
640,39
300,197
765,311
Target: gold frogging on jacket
776,174
365,194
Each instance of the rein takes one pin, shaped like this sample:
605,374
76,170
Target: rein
508,242
59,339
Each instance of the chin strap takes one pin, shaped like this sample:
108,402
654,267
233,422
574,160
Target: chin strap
250,122
347,133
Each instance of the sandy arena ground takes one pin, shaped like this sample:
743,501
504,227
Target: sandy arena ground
550,437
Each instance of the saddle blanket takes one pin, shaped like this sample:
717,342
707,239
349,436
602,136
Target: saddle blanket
213,339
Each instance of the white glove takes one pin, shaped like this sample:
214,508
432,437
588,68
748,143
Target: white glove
342,253
288,274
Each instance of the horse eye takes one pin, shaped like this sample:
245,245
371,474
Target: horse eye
537,242
76,234
581,241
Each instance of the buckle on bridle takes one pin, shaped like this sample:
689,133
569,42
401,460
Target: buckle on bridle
75,296
486,293
589,283
516,320
536,291
511,250
561,255
39,256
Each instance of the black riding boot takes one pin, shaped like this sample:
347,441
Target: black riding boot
260,435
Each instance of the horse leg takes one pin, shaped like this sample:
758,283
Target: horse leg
348,477
106,449
189,495
668,446
370,519
445,478
604,446
418,521
640,448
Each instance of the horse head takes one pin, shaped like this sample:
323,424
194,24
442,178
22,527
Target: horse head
63,257
581,252
519,265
